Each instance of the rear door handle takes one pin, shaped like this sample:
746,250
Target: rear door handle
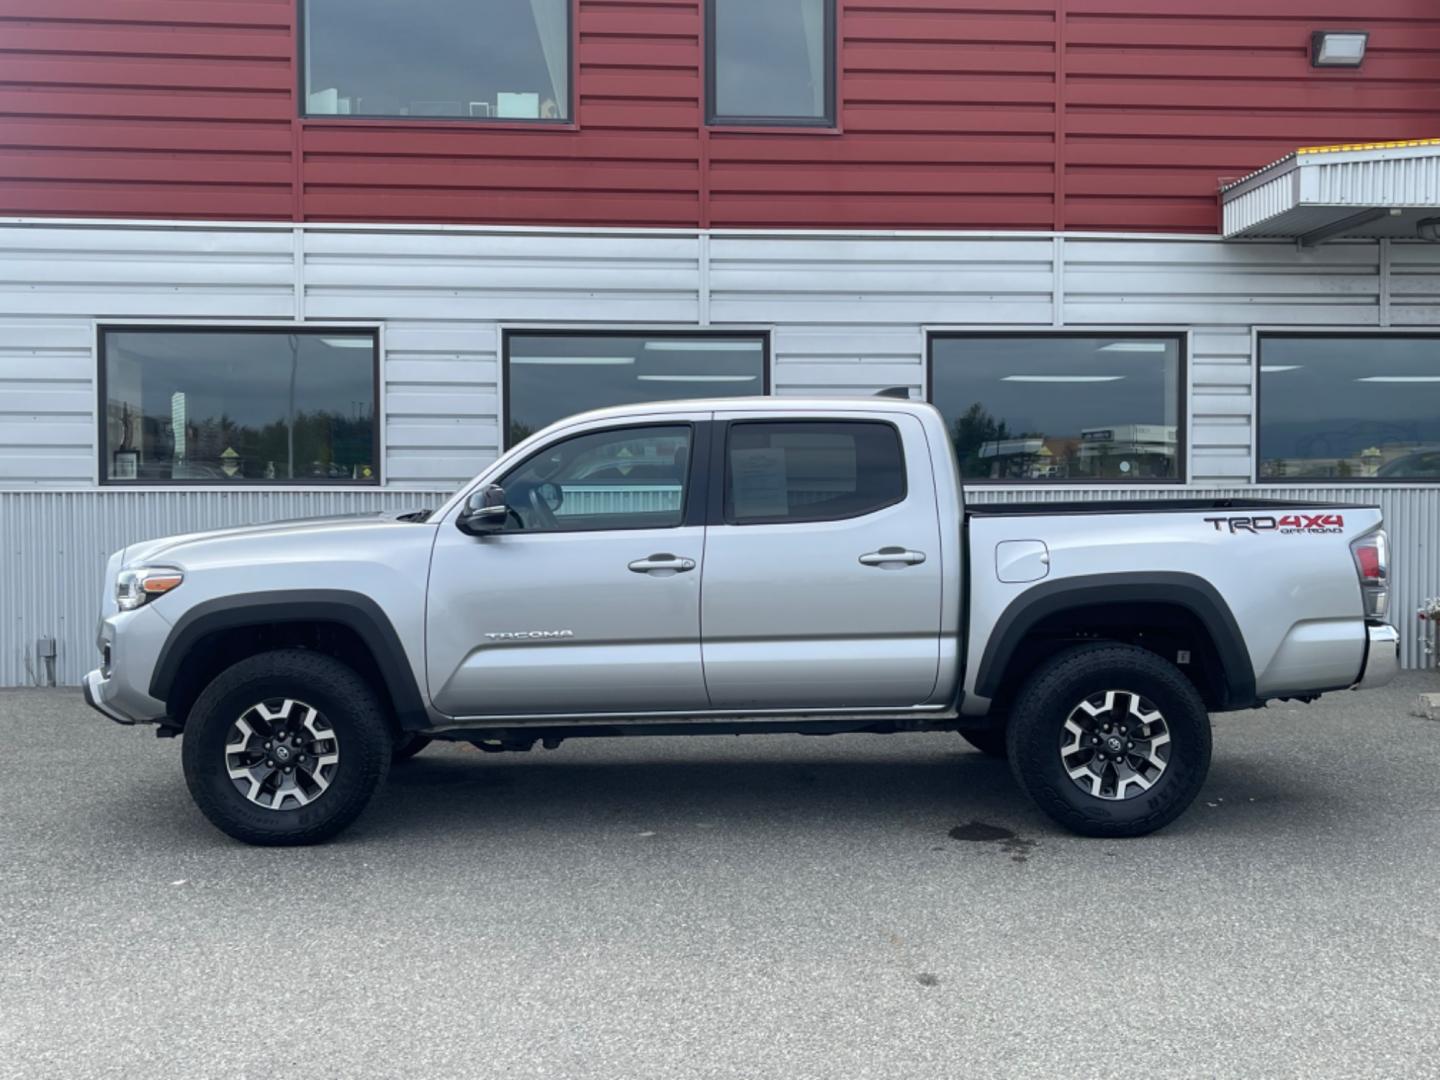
890,555
662,563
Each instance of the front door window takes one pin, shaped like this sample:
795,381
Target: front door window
626,478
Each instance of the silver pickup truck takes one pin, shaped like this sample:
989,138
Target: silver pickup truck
737,566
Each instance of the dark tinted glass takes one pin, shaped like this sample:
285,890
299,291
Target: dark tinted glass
1060,408
800,471
628,478
552,376
1346,408
771,59
218,407
500,59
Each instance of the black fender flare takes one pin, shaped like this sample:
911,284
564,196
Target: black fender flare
353,610
1194,594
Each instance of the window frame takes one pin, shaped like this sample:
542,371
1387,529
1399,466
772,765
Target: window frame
1259,334
715,118
720,510
377,424
1181,337
693,496
302,95
508,333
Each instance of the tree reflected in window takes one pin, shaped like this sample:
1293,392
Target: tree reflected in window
233,407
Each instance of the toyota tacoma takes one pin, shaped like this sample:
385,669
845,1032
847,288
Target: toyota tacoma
737,566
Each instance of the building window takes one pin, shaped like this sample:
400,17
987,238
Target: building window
453,59
1349,407
552,375
1061,407
187,405
770,62
789,471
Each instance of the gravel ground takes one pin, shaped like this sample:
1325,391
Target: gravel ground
720,907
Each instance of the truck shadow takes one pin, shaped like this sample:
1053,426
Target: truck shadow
515,793
456,790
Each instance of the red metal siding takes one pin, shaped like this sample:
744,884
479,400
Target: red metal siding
1162,97
156,108
1072,114
633,158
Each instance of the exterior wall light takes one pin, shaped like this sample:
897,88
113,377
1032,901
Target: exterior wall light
1338,48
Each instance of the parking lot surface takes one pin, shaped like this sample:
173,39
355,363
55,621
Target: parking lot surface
780,906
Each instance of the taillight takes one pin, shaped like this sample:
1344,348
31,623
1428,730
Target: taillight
1372,564
1367,558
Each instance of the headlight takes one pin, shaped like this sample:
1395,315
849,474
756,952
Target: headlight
135,588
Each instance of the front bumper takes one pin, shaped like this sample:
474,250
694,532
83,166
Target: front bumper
119,688
1382,656
95,686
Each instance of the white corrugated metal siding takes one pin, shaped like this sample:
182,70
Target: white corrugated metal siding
848,313
55,545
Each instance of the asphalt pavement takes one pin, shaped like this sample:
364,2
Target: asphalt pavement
766,906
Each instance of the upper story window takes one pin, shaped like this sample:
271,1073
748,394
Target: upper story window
1061,407
1349,407
550,375
226,407
450,59
770,62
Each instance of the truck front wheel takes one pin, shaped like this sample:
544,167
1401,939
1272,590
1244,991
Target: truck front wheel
1110,740
286,747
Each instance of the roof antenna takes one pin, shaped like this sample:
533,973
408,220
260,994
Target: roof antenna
901,392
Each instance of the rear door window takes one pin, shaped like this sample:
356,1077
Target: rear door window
795,471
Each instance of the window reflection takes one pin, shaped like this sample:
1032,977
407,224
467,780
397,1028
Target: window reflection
230,407
549,376
501,59
770,59
787,471
627,478
1060,407
1349,408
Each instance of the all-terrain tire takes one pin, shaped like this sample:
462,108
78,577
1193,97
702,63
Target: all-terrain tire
346,702
1037,729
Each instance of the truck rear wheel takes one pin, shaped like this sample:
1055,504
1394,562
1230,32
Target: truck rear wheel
1110,740
286,747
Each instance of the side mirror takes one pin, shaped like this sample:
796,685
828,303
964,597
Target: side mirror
485,512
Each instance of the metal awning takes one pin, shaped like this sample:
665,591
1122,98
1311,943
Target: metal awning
1321,193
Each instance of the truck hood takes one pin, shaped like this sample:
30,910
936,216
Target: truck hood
176,549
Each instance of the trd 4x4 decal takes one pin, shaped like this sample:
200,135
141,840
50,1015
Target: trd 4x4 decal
1289,523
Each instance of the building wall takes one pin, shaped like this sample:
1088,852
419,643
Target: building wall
990,114
848,313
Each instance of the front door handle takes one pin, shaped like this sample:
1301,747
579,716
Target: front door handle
662,563
891,555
